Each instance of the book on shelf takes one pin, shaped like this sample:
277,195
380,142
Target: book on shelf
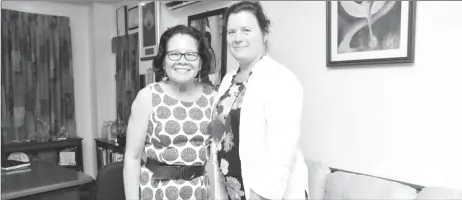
108,156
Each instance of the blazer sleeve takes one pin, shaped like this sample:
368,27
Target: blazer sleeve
283,112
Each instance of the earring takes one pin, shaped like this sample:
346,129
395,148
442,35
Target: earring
164,78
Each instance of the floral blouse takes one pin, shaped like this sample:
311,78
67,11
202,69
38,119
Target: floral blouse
228,111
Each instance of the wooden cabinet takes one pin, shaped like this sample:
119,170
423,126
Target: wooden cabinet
34,149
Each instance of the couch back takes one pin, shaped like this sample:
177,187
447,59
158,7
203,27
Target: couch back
331,183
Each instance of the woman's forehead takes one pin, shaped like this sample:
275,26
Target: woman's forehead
182,41
240,19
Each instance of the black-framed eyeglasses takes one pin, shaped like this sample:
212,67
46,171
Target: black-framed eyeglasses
176,56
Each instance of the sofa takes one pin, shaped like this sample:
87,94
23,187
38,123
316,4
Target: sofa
328,183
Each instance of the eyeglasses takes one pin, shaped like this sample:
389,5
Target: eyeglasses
176,56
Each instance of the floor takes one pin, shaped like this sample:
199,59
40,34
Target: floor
85,192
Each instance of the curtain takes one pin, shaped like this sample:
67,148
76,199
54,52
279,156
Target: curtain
37,80
127,73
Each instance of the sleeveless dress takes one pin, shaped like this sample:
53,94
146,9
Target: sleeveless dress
228,110
177,135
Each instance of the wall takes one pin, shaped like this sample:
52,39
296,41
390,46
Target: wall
397,121
104,62
104,30
83,66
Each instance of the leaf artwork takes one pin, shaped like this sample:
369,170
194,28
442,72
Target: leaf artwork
371,11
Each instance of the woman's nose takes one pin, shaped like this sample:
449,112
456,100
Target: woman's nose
237,37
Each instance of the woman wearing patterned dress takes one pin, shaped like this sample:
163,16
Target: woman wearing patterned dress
260,106
167,140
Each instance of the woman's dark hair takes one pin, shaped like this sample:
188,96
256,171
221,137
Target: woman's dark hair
204,54
252,7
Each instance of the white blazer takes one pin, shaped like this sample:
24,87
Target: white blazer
270,127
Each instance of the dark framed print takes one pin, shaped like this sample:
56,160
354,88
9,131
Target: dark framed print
149,32
133,18
121,17
211,24
370,32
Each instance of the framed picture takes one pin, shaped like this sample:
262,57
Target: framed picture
370,32
121,16
211,24
133,18
149,32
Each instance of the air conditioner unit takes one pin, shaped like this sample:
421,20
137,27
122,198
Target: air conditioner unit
172,5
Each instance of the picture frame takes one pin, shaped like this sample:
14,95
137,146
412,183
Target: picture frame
133,18
121,17
211,24
149,31
389,37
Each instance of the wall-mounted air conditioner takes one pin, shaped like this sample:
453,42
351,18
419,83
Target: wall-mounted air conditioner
172,5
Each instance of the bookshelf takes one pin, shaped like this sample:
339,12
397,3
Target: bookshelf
48,150
107,151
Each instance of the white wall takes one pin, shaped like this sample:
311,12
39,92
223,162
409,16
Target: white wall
105,62
397,121
83,67
104,29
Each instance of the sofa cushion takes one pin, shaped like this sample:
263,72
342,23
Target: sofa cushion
317,177
439,193
343,185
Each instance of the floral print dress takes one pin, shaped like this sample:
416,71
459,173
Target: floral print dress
177,135
228,110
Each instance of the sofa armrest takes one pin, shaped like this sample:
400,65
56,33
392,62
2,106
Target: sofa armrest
439,193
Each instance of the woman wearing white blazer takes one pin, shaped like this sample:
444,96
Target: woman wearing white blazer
260,106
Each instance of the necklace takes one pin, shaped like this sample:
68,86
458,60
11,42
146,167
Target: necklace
238,92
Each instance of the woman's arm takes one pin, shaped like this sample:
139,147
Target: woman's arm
283,112
136,136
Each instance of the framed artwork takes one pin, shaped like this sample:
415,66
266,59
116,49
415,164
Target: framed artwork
211,24
121,16
149,32
370,32
133,18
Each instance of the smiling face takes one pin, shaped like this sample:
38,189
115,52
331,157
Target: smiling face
182,62
246,41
